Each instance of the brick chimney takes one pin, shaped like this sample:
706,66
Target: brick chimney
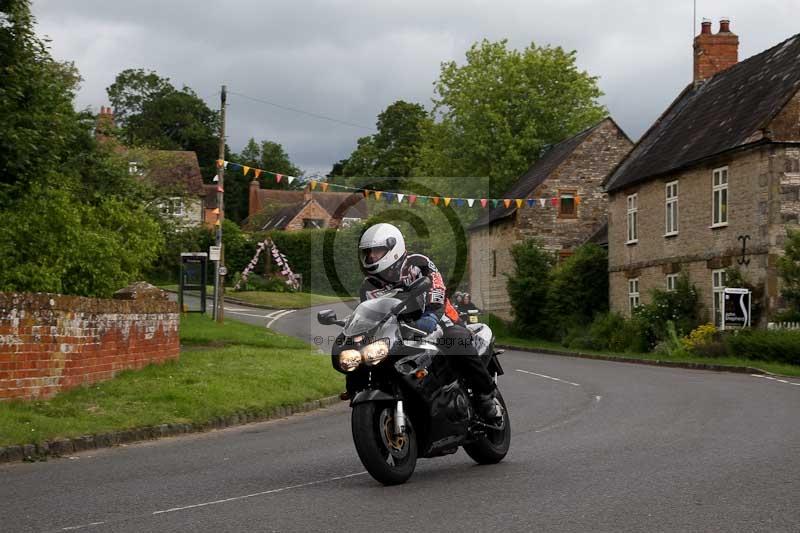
105,124
254,204
714,52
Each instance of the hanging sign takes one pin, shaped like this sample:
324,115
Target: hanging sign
736,308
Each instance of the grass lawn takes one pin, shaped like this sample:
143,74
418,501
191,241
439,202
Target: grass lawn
278,300
775,368
222,370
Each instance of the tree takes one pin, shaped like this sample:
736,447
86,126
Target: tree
266,155
789,270
72,219
132,88
500,110
394,150
527,286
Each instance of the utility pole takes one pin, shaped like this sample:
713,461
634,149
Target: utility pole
220,271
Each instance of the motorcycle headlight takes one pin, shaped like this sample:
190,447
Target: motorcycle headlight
376,352
349,360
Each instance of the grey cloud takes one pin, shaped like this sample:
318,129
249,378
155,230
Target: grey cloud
350,59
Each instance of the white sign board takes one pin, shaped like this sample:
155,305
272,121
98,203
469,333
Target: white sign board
214,252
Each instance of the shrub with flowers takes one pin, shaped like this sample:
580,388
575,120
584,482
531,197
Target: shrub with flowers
680,306
699,337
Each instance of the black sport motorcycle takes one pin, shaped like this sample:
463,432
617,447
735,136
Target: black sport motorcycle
407,400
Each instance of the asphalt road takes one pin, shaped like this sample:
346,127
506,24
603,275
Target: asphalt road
596,446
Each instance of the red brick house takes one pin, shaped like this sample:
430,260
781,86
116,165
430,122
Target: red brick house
271,209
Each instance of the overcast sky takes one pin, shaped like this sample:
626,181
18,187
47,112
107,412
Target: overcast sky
348,60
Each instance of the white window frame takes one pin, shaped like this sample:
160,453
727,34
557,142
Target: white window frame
671,209
633,294
672,282
719,188
632,203
718,283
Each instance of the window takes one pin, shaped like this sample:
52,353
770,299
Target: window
671,215
720,197
172,207
633,216
718,281
494,263
633,294
566,205
563,255
672,282
313,223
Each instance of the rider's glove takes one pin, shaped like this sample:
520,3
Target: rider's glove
427,322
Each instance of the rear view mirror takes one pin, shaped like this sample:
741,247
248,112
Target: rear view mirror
326,317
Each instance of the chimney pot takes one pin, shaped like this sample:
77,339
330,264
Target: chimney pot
724,25
714,53
705,27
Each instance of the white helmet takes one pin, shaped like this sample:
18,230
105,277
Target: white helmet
382,250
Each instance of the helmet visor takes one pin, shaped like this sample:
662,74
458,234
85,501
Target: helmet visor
370,256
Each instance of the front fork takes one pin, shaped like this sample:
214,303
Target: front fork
399,418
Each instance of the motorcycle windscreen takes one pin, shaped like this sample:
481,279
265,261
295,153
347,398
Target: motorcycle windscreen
369,314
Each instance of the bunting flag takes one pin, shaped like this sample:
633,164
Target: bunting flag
390,196
577,200
280,259
220,189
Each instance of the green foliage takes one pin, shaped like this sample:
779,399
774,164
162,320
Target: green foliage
394,150
239,247
789,270
671,346
611,331
681,307
578,288
502,108
157,115
766,345
166,267
528,286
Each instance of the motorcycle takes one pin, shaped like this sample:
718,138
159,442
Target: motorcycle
407,401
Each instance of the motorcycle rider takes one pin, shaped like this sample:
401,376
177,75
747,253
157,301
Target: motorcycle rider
387,265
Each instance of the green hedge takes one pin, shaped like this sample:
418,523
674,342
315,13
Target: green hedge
766,345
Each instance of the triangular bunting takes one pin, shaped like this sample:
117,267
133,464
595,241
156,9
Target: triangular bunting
411,199
216,178
446,202
291,179
507,203
389,197
245,170
219,189
470,201
278,177
424,200
400,198
219,163
531,202
366,193
554,200
225,165
484,201
435,200
378,195
324,185
519,202
577,200
313,184
257,173
495,202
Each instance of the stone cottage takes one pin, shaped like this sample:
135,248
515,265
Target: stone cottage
715,180
570,175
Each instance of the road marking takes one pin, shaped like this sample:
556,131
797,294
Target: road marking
235,312
549,377
73,528
263,493
278,314
776,379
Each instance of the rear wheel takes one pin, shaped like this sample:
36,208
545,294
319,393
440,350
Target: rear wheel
492,447
388,457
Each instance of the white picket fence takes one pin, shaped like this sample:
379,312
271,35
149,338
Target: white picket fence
783,325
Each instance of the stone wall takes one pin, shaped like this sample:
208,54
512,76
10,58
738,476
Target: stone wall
50,343
490,261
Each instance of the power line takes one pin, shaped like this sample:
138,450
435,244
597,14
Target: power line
310,114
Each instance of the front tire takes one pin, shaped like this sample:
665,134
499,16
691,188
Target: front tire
388,458
492,447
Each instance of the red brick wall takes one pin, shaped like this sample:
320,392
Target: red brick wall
50,343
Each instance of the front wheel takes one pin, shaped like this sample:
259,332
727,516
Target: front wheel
388,457
492,447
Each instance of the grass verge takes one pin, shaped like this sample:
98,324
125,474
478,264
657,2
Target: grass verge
222,370
278,300
774,368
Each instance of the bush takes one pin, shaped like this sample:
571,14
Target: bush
789,270
527,287
781,346
681,307
611,331
578,289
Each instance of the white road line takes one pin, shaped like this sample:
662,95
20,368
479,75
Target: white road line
279,314
549,377
73,528
775,379
263,493
233,312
